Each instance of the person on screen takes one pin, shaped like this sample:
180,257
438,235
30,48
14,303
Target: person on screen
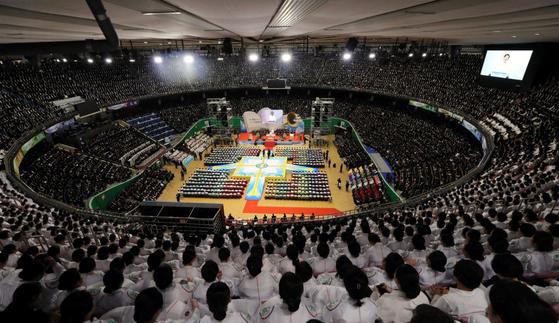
502,67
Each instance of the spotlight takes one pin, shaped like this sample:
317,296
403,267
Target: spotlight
90,60
188,59
440,54
424,55
410,55
64,60
253,57
108,60
346,56
158,59
132,60
372,55
220,58
286,57
57,60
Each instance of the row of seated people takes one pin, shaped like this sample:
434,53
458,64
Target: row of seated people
366,185
197,144
351,153
71,177
380,267
229,155
213,184
176,157
301,186
302,156
147,187
115,144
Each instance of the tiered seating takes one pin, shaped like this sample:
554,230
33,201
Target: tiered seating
213,184
351,153
229,155
152,126
71,178
148,187
302,186
301,156
366,185
120,145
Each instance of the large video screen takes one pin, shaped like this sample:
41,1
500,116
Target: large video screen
506,64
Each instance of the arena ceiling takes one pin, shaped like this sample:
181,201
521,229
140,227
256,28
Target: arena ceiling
457,21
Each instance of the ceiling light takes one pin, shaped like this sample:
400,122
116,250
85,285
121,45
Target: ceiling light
346,56
90,60
440,54
537,34
513,36
64,60
496,31
261,41
188,59
57,60
108,60
199,42
372,55
168,43
158,59
132,60
424,55
286,57
161,13
220,58
253,57
219,42
145,42
410,55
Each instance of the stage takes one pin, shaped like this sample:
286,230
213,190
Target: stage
247,207
248,138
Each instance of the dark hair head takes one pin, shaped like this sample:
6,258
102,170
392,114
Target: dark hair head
188,255
437,261
543,241
323,250
147,305
113,280
469,273
354,248
117,264
218,297
76,307
391,263
34,271
78,255
474,250
514,302
224,254
163,276
69,280
425,313
291,290
408,279
304,271
342,264
254,265
418,242
527,229
25,296
507,266
357,285
154,260
292,252
373,238
209,271
87,265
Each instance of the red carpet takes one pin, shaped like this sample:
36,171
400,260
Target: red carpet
244,136
253,207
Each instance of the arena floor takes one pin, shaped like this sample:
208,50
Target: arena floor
243,209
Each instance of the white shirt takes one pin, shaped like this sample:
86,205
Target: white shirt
377,253
461,303
345,311
395,307
429,277
323,265
274,311
262,287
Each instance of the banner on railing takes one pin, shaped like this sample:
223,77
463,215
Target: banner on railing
422,105
451,114
471,128
25,148
128,104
